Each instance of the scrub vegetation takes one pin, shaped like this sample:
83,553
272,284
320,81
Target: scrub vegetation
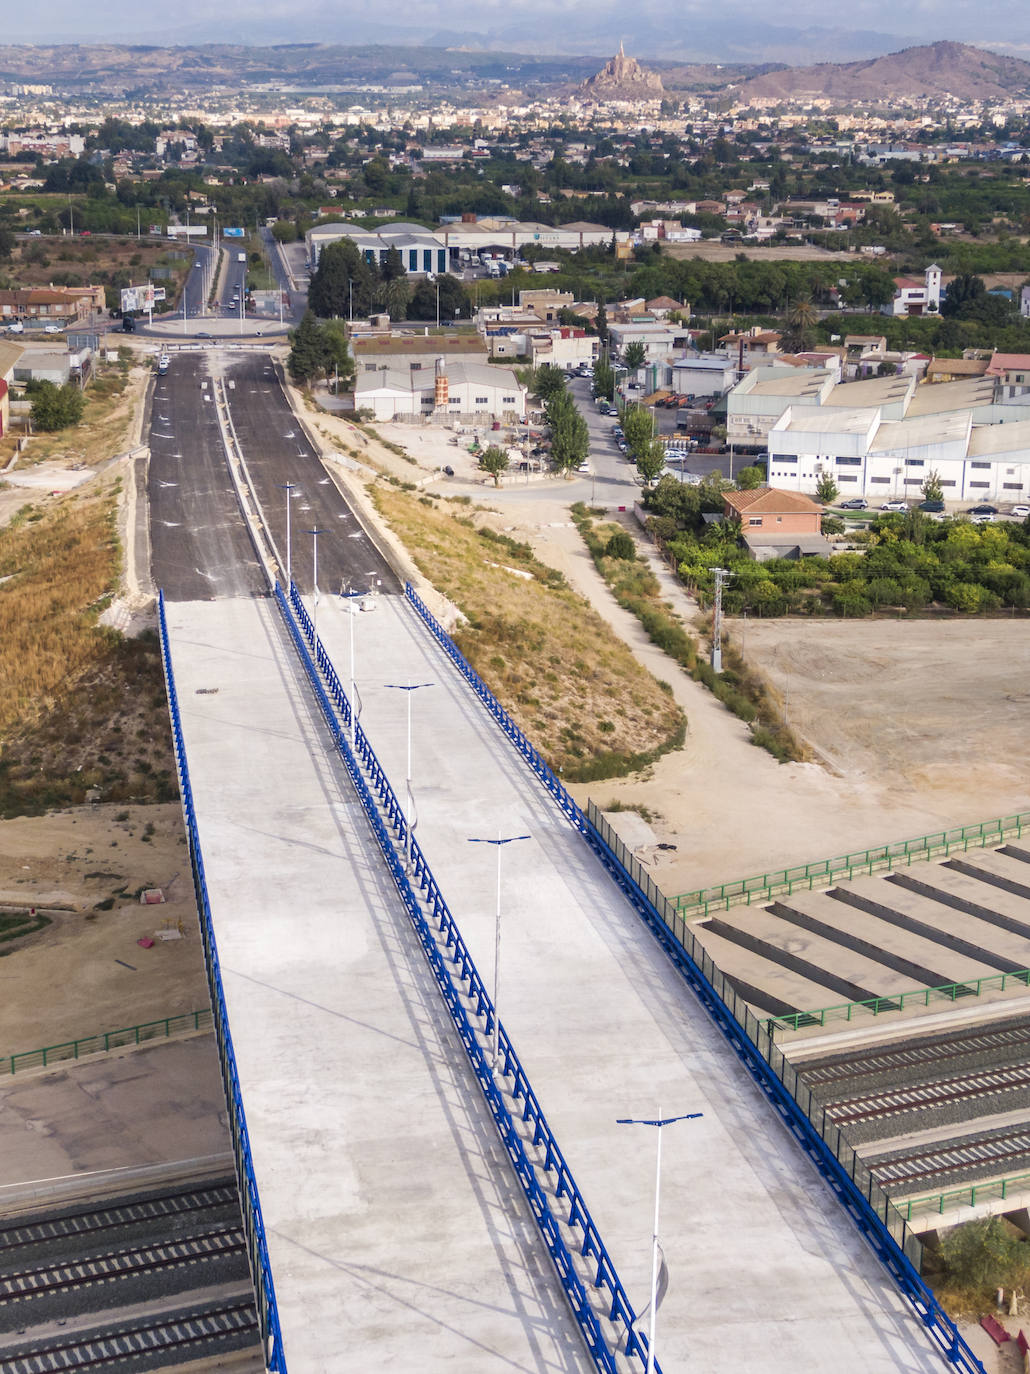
81,707
636,589
565,678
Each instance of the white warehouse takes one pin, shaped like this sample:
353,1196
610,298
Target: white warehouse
444,390
883,437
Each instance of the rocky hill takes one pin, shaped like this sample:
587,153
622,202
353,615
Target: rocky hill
933,72
622,78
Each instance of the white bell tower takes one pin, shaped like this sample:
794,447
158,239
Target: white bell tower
933,286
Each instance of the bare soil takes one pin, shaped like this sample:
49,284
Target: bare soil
711,250
85,972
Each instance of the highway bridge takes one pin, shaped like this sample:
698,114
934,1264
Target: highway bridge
427,1184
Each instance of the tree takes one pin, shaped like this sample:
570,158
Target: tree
601,323
799,333
548,381
635,356
284,231
395,297
570,438
329,293
933,487
494,461
651,463
6,242
309,355
55,407
621,545
337,354
604,378
826,489
638,430
749,478
448,291
963,291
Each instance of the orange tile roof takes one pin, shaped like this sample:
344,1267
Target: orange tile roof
771,500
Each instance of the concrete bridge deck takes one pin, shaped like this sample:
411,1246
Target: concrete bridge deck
321,973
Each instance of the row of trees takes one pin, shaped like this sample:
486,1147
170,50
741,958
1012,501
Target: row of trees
909,562
345,284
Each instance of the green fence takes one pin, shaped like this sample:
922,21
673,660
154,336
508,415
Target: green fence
824,872
761,1041
938,1203
918,997
106,1041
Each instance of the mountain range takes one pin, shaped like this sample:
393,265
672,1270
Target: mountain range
932,72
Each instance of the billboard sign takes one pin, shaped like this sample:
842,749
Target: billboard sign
232,233
136,298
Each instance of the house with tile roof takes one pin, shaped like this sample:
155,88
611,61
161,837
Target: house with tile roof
777,524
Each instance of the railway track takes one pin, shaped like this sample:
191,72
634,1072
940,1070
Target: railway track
983,1156
134,1344
123,1216
132,1262
943,1092
915,1055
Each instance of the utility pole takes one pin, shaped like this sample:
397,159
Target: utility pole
722,576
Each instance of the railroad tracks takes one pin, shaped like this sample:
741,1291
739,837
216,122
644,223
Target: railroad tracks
134,1344
986,1156
184,1202
940,1093
121,1264
917,1054
77,1266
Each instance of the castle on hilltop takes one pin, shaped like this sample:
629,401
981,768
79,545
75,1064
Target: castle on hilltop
623,78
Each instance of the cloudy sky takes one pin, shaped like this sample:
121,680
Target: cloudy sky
795,30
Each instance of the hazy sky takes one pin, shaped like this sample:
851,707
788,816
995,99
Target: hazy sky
541,26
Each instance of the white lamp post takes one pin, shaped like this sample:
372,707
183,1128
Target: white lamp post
409,817
659,1122
314,578
289,488
499,842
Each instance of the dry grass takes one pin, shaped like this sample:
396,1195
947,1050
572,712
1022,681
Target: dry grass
80,707
38,262
103,431
569,682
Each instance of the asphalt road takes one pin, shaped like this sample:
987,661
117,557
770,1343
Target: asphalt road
277,451
201,548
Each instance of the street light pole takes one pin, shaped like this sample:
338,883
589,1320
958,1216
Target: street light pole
314,577
499,842
658,1122
288,488
409,814
722,576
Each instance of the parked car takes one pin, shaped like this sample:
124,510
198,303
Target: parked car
931,507
982,519
51,329
16,328
982,509
1020,512
894,505
855,503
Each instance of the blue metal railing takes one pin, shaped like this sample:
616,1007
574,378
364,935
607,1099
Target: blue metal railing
459,982
500,715
260,1267
753,1046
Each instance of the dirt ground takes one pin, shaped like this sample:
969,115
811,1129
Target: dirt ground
920,708
711,250
85,972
